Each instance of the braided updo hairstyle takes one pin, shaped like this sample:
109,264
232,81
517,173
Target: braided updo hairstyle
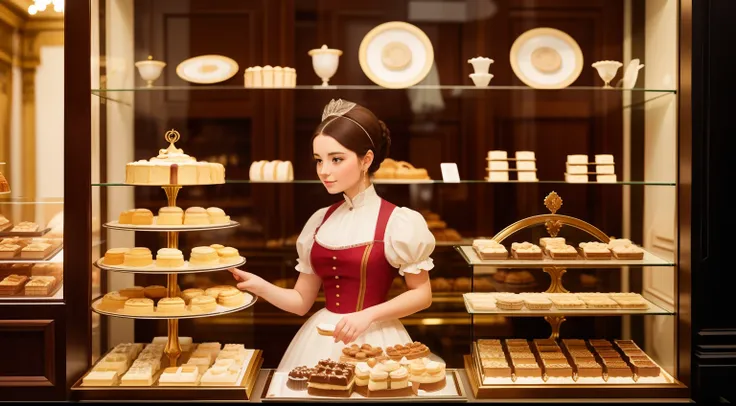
351,136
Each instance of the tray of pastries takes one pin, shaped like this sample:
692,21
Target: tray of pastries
215,257
534,304
151,302
18,249
370,380
558,251
29,286
392,171
173,218
207,365
173,167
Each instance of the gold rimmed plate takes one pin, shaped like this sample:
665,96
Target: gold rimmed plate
153,269
207,69
248,301
546,58
114,225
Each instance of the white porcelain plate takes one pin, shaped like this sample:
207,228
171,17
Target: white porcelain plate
546,58
396,55
207,69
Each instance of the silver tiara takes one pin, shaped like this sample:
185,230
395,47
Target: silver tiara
338,108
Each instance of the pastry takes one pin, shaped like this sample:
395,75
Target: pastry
605,169
573,169
173,167
551,241
462,284
406,170
113,301
8,251
562,251
614,242
203,304
527,176
525,156
134,292
228,255
409,351
185,375
142,217
170,216
217,246
40,286
387,169
362,377
595,250
204,256
50,269
35,251
526,250
138,257
139,306
498,165
498,177
184,342
230,298
483,284
25,227
326,329
100,378
12,285
169,258
217,216
496,251
497,368
526,166
138,375
219,375
626,252
126,217
115,256
605,178
537,303
497,155
354,353
215,291
171,305
334,379
196,216
154,291
189,294
527,368
604,159
522,277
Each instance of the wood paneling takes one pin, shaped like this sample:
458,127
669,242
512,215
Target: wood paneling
32,360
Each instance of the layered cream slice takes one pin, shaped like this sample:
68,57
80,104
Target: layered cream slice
173,167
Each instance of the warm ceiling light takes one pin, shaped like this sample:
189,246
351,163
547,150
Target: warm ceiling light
41,5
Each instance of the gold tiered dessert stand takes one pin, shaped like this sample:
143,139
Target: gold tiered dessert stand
173,350
553,223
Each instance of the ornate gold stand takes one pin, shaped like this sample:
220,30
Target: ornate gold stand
553,223
173,349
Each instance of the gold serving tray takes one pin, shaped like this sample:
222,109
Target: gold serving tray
114,225
454,385
155,270
249,301
469,254
672,389
242,391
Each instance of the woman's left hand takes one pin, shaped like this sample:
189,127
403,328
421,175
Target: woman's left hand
352,326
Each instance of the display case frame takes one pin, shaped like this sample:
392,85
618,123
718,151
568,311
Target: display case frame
72,345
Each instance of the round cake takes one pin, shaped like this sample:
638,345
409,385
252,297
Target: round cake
228,255
139,306
126,217
169,258
170,216
115,256
204,256
231,297
298,378
196,216
155,291
203,304
217,216
189,294
171,305
134,292
142,217
138,257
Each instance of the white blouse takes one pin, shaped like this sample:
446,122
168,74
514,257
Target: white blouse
408,243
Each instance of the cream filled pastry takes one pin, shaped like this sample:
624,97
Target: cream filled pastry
217,216
204,256
189,294
228,255
170,216
169,258
196,216
142,217
203,304
138,257
115,256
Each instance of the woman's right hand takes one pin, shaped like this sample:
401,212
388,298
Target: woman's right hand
248,281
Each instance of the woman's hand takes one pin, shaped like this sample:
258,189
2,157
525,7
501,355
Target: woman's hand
248,281
352,326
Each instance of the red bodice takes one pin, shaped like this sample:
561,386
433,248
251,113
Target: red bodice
357,277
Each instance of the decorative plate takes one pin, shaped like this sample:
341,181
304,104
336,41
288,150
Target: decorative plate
396,55
207,69
546,58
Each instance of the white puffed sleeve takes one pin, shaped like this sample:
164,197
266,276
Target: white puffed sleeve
306,240
408,242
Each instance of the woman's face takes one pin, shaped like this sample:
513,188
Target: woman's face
338,168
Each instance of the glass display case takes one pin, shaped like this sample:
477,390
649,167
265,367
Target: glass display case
531,100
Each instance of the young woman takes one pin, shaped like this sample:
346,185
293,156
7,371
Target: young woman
353,248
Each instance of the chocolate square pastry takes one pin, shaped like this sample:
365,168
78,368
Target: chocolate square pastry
644,369
618,369
573,341
519,349
527,370
639,358
558,370
589,369
545,341
619,342
634,353
552,355
548,348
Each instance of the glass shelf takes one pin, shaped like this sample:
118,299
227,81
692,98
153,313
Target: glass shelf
376,87
430,182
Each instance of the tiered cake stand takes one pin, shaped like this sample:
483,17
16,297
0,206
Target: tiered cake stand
173,351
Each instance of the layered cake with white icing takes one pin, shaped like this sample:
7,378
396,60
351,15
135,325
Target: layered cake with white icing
173,167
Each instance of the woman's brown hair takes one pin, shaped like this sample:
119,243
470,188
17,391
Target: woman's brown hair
346,129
